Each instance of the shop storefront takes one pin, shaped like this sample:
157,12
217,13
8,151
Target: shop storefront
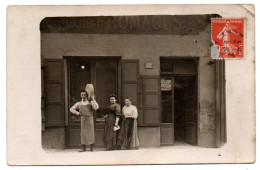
162,62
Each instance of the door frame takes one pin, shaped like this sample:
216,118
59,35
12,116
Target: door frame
172,58
168,125
69,59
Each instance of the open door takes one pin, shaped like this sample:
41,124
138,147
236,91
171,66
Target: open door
191,110
179,101
185,109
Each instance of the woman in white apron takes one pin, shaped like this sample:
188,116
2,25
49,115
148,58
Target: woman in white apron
128,138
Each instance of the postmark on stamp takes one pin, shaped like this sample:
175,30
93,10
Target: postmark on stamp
228,38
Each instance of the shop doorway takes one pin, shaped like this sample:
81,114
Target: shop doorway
103,74
179,101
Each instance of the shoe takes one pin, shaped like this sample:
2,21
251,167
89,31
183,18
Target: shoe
92,147
83,148
82,151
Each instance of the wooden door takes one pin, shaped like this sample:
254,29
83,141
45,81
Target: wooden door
79,76
53,93
102,73
191,110
105,85
167,104
130,80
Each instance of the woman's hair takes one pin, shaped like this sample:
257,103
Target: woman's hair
113,95
130,99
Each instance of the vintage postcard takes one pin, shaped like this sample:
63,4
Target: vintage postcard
130,84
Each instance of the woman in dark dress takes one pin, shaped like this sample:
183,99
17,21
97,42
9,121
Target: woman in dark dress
112,121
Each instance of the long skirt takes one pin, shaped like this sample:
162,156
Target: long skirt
128,137
110,136
126,130
87,130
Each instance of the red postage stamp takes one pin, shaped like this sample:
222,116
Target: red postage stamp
228,37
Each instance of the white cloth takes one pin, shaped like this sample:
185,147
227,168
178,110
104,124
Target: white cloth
130,111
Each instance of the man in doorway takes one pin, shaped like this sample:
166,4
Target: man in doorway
85,108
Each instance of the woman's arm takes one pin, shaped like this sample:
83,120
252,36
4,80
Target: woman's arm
118,113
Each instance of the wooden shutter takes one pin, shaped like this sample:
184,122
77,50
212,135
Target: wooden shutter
54,92
220,103
130,80
42,96
149,101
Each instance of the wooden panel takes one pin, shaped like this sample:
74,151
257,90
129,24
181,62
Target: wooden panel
140,118
166,135
150,85
99,133
50,73
151,100
42,97
130,72
191,109
74,136
149,136
191,115
178,66
130,80
54,115
151,116
166,66
106,81
130,90
54,92
190,136
184,67
141,100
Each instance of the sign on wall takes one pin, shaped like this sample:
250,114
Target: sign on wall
166,85
139,24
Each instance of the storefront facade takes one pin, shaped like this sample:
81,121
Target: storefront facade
162,62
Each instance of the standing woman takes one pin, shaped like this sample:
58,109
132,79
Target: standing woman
112,119
128,132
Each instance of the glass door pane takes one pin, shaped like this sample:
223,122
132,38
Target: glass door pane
79,77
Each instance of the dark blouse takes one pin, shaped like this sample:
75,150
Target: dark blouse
115,109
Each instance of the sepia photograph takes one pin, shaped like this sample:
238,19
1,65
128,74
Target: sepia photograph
155,93
122,83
